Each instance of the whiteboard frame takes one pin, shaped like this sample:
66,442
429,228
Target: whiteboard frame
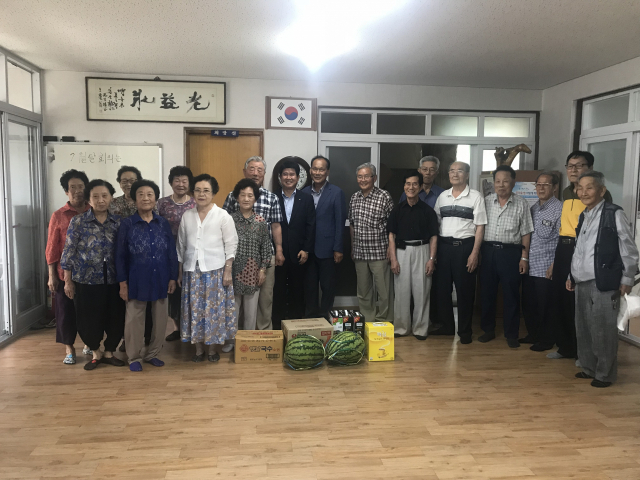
47,163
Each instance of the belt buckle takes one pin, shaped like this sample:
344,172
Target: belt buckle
457,243
498,246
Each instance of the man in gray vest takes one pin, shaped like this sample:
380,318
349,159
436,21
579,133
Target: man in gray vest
603,268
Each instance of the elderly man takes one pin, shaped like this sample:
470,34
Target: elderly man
369,210
505,255
536,286
331,213
603,268
429,193
563,301
413,243
298,236
463,217
267,207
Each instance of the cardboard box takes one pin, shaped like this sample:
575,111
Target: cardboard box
358,322
259,346
378,339
314,327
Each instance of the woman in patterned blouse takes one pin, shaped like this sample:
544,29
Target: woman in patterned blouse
172,208
88,261
253,255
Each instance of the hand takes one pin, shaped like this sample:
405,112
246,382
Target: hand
472,262
549,273
53,284
302,257
69,289
179,281
352,255
124,291
262,276
430,267
625,289
172,286
337,257
227,278
570,285
524,267
279,258
395,267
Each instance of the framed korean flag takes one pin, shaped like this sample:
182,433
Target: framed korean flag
291,113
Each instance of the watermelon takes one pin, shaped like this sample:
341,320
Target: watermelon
345,348
304,352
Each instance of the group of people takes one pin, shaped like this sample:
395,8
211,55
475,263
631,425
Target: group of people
122,266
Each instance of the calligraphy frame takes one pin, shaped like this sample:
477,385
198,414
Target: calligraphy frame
270,124
154,112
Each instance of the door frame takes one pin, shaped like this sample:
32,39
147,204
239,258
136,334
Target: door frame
202,130
21,322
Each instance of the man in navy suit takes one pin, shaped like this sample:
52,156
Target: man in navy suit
298,235
331,215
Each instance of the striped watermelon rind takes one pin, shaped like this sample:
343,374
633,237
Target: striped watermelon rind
345,348
304,353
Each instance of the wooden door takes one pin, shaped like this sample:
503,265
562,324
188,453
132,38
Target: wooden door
222,158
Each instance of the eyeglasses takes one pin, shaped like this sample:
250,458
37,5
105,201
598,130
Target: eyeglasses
544,185
364,177
255,170
577,166
127,182
429,170
197,191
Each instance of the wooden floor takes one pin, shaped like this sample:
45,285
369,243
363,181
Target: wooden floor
440,411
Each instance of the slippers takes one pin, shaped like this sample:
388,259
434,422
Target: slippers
92,365
135,367
116,362
70,359
156,362
198,358
214,358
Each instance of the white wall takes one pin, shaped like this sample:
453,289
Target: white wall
557,120
65,111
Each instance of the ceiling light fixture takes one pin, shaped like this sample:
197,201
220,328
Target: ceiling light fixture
326,29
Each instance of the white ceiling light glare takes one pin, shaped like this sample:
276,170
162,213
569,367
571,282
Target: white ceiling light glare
341,22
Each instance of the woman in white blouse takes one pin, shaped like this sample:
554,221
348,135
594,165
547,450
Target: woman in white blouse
207,242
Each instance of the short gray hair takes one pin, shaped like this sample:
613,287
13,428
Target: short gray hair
598,177
552,175
429,158
255,158
466,166
368,165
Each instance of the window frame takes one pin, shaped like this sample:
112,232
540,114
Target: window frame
36,92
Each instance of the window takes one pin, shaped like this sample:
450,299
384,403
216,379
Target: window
20,86
610,111
454,126
401,124
506,126
336,122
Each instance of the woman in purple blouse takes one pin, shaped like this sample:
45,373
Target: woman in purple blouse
172,208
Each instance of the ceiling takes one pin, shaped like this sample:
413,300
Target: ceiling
529,44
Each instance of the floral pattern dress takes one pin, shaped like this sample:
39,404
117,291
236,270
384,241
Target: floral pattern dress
253,253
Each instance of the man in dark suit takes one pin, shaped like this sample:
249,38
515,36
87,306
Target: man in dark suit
331,215
298,235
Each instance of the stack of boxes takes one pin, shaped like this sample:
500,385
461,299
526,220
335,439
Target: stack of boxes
347,321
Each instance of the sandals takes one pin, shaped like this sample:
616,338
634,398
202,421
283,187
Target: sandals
156,362
135,367
70,359
198,358
92,365
214,358
116,362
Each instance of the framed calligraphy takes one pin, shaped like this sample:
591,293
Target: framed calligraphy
137,100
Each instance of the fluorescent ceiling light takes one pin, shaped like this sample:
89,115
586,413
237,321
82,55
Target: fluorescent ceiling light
326,29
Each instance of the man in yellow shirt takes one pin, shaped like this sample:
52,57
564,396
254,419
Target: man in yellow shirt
561,323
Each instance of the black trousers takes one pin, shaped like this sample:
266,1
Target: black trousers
66,329
319,271
563,306
100,310
452,270
536,305
288,292
501,266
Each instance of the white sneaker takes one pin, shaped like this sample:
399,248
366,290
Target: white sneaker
228,347
87,351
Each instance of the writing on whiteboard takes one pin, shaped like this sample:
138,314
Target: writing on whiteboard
93,157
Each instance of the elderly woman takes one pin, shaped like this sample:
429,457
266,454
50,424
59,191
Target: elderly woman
253,255
74,183
207,242
88,261
147,269
172,208
125,206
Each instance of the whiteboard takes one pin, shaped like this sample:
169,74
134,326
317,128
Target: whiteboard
98,160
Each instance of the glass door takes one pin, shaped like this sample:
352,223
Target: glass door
5,324
345,157
24,222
